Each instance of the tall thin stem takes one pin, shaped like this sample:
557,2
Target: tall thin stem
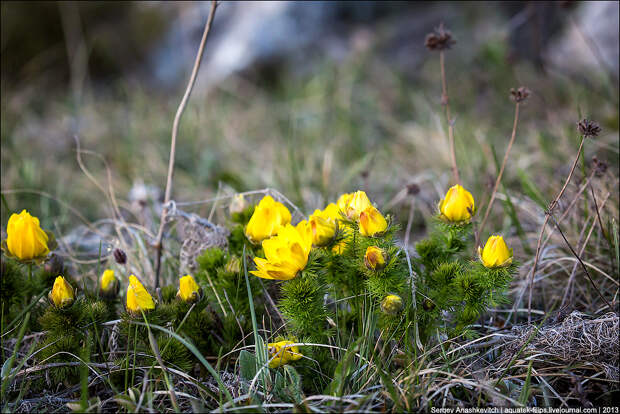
542,230
445,101
175,130
501,170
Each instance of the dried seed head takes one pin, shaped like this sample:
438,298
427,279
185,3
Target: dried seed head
439,39
120,256
600,167
588,128
520,94
413,189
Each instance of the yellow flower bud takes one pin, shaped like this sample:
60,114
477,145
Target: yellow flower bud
458,205
138,298
282,353
62,293
25,238
286,254
237,204
353,204
495,253
189,291
108,283
375,258
372,222
267,219
392,305
323,225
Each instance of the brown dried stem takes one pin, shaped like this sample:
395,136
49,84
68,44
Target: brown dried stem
445,100
542,230
501,170
175,130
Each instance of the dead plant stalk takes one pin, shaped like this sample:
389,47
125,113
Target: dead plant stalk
445,100
175,130
501,170
542,230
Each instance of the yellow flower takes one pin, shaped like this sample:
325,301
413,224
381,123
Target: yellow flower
138,298
286,254
375,258
458,205
62,293
25,238
353,204
392,304
495,253
108,283
189,291
268,217
372,222
324,225
282,353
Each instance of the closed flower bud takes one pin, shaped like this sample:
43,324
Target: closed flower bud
237,204
282,353
353,204
267,219
375,258
138,298
392,305
25,238
285,254
108,284
372,222
233,265
62,294
495,253
120,256
428,305
457,206
189,291
324,225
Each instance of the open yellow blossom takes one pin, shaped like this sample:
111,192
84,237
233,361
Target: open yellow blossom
495,253
62,293
392,304
108,283
375,258
286,254
138,298
372,222
353,204
189,291
268,217
458,205
25,238
282,353
324,225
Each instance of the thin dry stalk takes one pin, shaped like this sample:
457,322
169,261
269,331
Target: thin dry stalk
501,170
175,130
445,101
542,230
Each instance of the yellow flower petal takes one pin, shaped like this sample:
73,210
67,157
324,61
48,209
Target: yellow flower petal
372,222
282,353
25,238
189,291
138,298
495,253
62,293
268,217
457,205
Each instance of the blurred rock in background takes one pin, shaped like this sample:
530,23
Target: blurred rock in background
155,42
